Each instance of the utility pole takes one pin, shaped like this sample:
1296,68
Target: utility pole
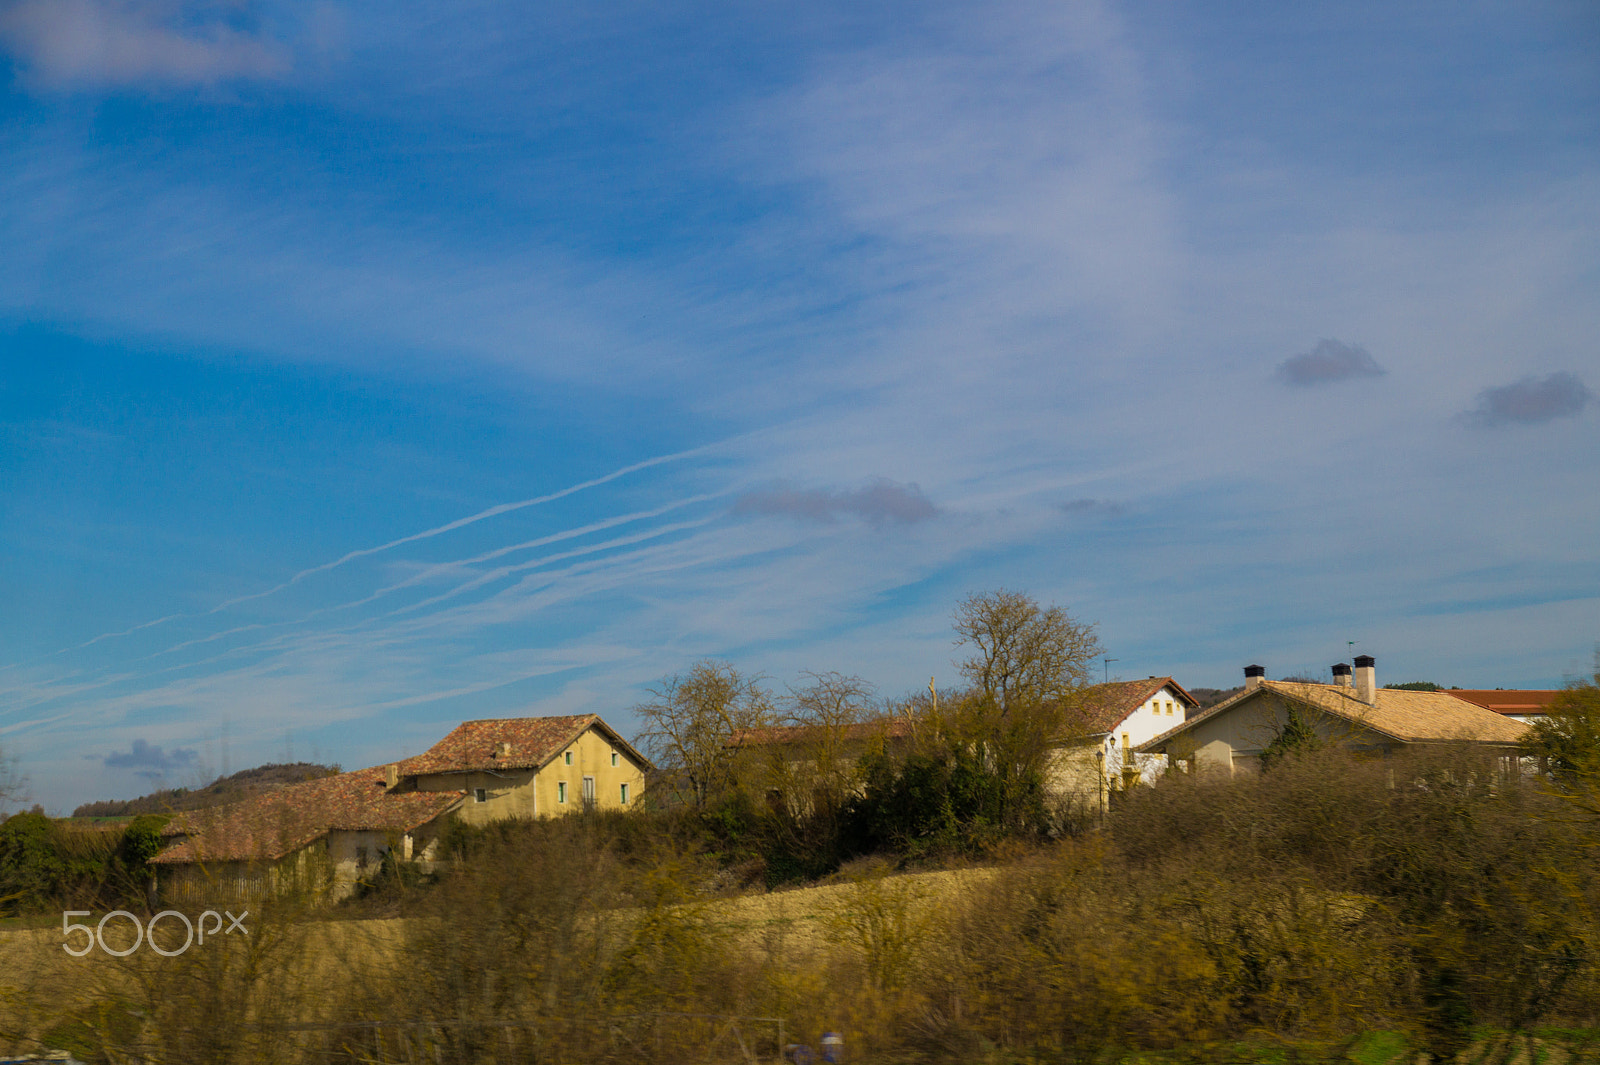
935,693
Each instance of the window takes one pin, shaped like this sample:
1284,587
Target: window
361,857
561,791
569,757
1169,709
588,793
480,795
624,791
614,762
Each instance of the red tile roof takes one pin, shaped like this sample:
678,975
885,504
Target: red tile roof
1104,705
272,825
1525,701
472,746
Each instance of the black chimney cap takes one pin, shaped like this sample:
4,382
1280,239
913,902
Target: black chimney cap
1341,669
1255,671
1365,661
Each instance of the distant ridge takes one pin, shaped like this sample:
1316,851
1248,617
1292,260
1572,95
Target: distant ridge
1210,697
220,792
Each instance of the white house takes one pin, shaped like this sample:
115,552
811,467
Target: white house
1101,754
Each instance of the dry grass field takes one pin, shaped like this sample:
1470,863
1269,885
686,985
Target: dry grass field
43,988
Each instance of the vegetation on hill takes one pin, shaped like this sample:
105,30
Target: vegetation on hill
220,792
1209,697
1330,897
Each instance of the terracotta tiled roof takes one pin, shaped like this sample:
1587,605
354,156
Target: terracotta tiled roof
474,745
893,728
1407,716
1525,701
1104,705
272,825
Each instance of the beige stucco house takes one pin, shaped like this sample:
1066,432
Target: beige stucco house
527,767
324,836
1353,712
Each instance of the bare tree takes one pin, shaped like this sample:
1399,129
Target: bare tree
1028,668
1023,654
829,712
690,721
13,786
830,701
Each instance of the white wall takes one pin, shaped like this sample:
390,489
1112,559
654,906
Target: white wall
1162,711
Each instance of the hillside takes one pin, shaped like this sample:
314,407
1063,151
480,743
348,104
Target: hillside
1209,697
220,792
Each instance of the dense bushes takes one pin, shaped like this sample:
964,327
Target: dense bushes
47,864
1471,898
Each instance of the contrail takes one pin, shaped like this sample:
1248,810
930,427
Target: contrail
335,636
505,571
444,567
494,511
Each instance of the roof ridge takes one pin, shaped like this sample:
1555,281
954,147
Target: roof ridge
524,717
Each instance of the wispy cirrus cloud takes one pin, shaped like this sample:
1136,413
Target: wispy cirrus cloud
1329,362
74,43
883,502
1531,401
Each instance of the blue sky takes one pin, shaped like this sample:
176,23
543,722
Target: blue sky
370,367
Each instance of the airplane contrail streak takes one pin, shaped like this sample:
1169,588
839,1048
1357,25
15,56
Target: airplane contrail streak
438,530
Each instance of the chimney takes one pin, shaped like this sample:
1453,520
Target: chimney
1253,676
1341,674
391,777
1366,679
503,750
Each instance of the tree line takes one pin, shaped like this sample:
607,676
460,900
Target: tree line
797,784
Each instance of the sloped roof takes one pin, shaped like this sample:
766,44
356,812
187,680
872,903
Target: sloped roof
1523,701
272,825
1104,705
1407,716
472,745
893,728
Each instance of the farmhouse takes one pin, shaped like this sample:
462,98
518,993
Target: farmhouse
324,836
1353,713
